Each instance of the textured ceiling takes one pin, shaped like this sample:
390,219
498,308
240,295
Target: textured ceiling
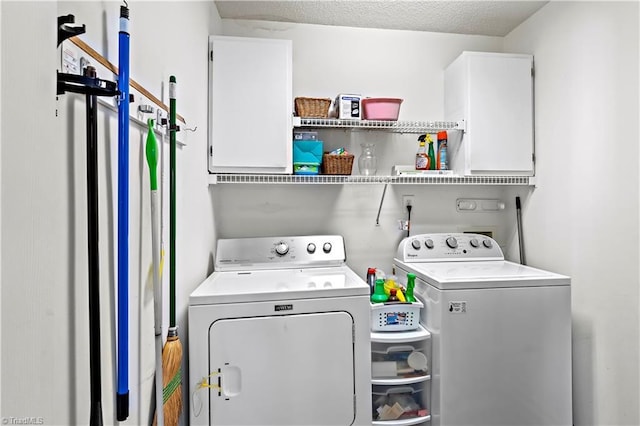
479,17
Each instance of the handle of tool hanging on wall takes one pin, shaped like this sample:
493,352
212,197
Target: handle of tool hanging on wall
122,394
523,260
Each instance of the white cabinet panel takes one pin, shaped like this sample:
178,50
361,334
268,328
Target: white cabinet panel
493,93
250,105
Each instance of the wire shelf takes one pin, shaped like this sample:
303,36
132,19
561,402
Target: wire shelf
389,126
463,180
357,179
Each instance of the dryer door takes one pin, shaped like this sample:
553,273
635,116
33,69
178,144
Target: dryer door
283,370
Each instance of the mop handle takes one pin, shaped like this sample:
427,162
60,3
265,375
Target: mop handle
151,151
172,201
94,262
122,402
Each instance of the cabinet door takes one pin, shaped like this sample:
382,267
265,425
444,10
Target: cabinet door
494,94
250,98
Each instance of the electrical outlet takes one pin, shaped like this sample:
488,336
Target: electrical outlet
407,200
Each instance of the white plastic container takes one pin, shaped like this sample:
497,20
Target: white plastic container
347,107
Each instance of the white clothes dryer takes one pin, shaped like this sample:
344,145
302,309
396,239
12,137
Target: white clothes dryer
280,335
501,332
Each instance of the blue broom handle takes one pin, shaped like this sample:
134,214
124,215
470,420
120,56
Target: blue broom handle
123,218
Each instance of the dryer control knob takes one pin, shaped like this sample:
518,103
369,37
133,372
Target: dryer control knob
474,243
282,248
415,244
452,242
326,247
487,243
429,243
311,248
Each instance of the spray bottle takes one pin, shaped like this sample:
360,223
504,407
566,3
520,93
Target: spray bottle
432,156
422,159
442,151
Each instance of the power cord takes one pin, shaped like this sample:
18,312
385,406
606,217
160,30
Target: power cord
408,219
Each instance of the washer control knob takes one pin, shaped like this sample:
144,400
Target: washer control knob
429,243
487,243
474,242
326,247
311,248
282,248
452,242
415,244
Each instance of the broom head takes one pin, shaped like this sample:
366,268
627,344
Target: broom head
172,379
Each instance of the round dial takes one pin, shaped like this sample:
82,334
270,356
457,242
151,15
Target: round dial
311,248
415,244
487,243
452,242
282,248
326,247
474,242
429,243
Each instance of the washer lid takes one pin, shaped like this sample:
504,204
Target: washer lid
482,274
286,284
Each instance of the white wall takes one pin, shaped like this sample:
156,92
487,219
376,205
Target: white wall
0,211
331,60
44,302
34,305
582,219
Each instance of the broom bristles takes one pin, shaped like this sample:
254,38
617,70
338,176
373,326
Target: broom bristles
171,381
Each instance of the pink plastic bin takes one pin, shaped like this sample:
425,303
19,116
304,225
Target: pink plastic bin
381,108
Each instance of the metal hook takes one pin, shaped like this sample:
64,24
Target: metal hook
146,109
125,4
68,28
189,129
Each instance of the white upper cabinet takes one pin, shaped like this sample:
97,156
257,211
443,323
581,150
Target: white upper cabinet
250,105
493,94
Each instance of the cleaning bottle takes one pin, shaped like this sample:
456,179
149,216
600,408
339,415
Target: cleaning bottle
393,296
442,151
432,156
411,283
389,283
371,279
422,159
379,296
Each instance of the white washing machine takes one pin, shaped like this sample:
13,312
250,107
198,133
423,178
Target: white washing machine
280,335
501,333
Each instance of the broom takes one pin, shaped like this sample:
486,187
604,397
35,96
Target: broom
172,351
152,159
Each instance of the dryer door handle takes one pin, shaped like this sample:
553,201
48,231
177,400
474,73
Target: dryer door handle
230,381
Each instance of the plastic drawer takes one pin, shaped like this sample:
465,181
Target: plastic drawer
393,403
389,360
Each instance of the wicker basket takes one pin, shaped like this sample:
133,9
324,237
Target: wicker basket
337,164
312,107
